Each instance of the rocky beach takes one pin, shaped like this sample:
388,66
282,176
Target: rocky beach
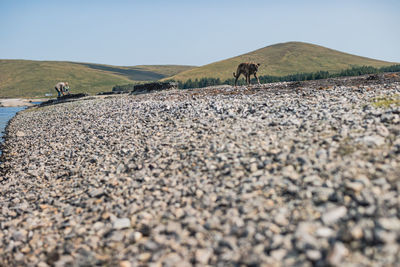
284,174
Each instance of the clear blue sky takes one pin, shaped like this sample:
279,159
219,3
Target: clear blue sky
189,32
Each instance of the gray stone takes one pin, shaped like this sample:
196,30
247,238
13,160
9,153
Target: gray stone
203,255
98,192
354,186
336,255
121,223
373,140
390,224
20,134
313,254
324,232
334,214
278,254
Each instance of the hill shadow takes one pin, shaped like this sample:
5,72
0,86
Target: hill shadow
133,73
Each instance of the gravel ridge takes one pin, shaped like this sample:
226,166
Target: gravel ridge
283,174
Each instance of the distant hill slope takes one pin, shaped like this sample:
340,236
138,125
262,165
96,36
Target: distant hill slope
141,72
283,59
28,78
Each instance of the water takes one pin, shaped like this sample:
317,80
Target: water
5,115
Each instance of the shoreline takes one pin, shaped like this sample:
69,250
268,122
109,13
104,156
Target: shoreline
4,133
20,102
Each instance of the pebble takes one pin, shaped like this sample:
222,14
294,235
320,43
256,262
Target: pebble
144,257
382,130
324,232
20,134
96,192
336,255
121,223
203,255
373,140
281,220
355,186
220,176
313,255
334,214
278,254
137,236
124,264
390,224
290,172
356,232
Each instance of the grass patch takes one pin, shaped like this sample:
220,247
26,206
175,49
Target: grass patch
387,101
345,150
348,146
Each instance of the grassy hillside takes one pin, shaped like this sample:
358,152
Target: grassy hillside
165,70
27,78
141,72
283,59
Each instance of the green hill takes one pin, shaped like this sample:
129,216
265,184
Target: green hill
27,78
141,72
283,59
